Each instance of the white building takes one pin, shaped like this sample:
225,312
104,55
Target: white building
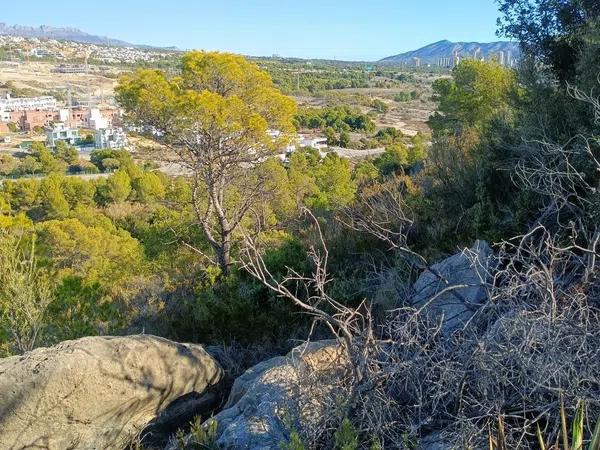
445,62
501,59
509,59
96,121
60,132
315,142
64,114
27,103
456,58
114,138
41,52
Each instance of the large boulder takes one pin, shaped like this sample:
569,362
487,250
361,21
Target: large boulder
96,392
276,396
463,276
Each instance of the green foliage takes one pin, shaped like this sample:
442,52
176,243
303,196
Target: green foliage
549,31
365,172
321,183
100,253
298,77
202,436
148,187
78,192
393,160
344,139
66,153
578,432
81,309
25,292
380,106
107,160
29,166
405,96
42,160
389,135
53,203
338,118
47,161
116,189
21,194
4,204
111,164
294,442
218,97
477,92
376,445
346,436
399,156
8,165
237,309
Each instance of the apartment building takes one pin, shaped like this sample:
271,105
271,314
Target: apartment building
9,103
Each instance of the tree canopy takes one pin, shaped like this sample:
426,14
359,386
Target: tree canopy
222,116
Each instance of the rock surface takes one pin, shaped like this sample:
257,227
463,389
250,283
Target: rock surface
276,395
457,305
434,441
96,392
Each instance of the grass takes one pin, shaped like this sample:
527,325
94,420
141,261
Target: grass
578,433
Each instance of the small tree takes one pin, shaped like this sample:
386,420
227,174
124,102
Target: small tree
216,117
24,294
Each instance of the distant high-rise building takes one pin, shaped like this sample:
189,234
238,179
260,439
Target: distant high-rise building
501,59
456,58
509,59
416,62
445,62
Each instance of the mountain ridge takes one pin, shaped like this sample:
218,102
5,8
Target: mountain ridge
432,53
62,34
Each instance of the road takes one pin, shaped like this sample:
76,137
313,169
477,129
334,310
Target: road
357,154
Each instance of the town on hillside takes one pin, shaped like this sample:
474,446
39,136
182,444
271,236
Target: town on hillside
29,115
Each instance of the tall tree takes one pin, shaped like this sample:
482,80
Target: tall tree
477,92
549,30
216,116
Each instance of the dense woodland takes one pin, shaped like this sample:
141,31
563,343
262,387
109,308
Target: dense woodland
514,160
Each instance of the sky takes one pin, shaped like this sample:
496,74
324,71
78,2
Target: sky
362,30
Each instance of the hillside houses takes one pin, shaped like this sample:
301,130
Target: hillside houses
61,123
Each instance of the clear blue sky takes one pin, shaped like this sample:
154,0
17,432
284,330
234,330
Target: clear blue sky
351,29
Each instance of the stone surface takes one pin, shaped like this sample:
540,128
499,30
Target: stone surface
434,441
96,392
276,395
469,267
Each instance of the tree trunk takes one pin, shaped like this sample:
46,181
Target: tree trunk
223,254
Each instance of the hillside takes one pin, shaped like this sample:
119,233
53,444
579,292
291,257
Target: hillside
58,33
430,54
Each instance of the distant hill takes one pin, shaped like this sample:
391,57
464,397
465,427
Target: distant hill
432,53
63,34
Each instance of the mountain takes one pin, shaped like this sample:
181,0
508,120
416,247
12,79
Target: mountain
62,34
432,53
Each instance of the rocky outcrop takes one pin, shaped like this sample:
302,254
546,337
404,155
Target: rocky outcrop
278,395
96,392
463,278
